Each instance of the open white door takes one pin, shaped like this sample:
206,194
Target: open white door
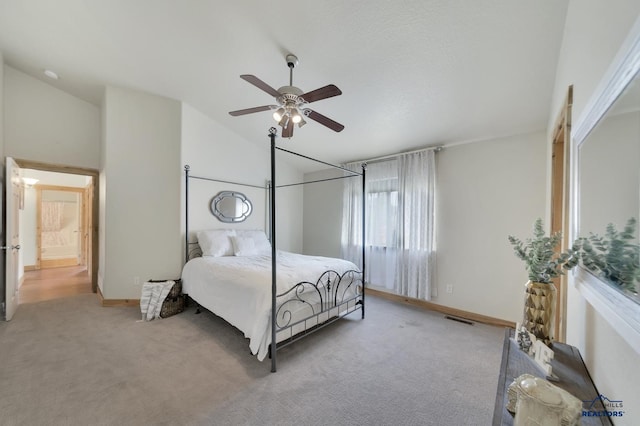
13,185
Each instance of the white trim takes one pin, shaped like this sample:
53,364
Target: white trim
622,313
623,69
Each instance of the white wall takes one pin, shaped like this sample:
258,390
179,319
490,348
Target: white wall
485,191
212,151
594,32
2,236
45,124
323,214
609,174
141,209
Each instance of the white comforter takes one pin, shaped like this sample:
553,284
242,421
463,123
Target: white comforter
238,289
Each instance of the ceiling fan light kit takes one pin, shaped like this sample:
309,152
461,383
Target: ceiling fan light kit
278,114
292,102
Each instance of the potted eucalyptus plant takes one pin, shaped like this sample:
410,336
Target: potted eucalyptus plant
615,256
543,263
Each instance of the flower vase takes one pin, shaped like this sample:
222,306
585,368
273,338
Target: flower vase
539,310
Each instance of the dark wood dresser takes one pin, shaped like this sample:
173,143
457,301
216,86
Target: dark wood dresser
567,365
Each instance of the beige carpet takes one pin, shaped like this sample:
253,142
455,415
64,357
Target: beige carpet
72,362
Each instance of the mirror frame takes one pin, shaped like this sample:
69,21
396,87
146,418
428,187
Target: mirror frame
230,194
622,313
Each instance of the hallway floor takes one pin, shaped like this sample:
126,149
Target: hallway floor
54,283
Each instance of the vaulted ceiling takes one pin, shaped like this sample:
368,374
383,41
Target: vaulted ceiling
413,73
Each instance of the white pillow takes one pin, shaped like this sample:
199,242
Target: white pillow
244,246
216,242
250,242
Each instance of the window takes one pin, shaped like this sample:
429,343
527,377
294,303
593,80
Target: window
399,212
382,214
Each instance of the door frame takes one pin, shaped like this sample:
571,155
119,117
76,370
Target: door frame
560,172
92,260
12,197
82,224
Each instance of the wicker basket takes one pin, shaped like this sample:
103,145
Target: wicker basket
175,300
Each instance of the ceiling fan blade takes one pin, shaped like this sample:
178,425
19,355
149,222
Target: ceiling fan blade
325,92
287,132
251,110
325,121
260,84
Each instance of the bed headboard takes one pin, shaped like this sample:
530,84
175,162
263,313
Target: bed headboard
199,193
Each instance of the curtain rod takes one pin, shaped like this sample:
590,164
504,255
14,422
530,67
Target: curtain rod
385,157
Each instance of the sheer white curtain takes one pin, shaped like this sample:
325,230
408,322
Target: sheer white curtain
416,209
399,229
52,215
382,215
351,239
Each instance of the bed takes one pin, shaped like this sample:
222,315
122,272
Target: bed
237,287
272,296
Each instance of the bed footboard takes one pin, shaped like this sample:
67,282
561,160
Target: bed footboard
307,306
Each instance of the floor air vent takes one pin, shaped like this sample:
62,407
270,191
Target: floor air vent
462,320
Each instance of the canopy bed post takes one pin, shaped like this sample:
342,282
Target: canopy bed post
364,205
186,213
272,136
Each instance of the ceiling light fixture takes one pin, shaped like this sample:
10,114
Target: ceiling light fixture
51,74
283,114
295,116
280,112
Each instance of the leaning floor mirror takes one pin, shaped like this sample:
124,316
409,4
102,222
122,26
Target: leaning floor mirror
606,194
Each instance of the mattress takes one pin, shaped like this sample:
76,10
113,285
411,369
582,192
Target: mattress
238,288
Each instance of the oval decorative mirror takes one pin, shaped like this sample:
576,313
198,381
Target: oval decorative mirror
231,207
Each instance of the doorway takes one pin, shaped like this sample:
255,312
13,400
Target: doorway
54,283
58,231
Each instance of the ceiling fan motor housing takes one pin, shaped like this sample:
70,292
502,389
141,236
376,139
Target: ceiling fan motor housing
290,100
290,90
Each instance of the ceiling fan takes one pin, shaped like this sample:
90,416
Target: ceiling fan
292,102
